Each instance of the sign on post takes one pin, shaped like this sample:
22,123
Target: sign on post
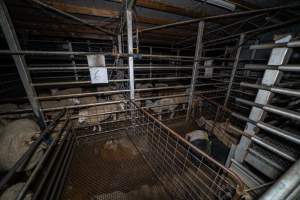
98,71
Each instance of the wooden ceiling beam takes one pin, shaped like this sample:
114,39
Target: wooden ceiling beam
84,36
244,4
101,12
167,7
78,29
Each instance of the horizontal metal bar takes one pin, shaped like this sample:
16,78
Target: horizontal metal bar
271,129
285,91
112,68
262,67
282,112
273,149
289,68
264,158
276,110
279,132
123,91
273,45
121,80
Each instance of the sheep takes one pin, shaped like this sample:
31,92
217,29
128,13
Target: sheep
199,138
68,101
15,140
143,86
83,117
162,104
160,85
118,149
13,191
8,107
167,104
87,100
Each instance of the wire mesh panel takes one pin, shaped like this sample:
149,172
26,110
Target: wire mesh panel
144,160
110,167
185,171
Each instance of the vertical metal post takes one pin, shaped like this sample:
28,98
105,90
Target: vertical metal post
89,46
120,43
177,60
151,51
284,185
225,54
235,65
198,54
73,60
130,52
13,43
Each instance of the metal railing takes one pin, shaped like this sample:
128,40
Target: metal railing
185,171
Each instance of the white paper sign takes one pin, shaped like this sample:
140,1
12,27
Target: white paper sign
98,75
98,71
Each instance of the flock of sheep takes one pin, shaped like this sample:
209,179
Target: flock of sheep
17,132
93,114
16,136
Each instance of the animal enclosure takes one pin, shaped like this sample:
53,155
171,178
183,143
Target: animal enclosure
148,154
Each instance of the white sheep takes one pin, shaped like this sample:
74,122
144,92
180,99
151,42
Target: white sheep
200,139
8,107
84,118
160,85
15,140
169,104
68,101
143,86
163,104
87,100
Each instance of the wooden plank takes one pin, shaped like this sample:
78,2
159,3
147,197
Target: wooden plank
72,8
244,4
166,7
102,12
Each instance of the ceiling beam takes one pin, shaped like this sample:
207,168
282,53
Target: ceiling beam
167,7
102,12
77,9
70,16
77,28
244,4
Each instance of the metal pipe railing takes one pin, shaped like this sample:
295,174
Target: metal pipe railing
274,109
120,80
278,90
239,186
42,162
21,163
284,185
